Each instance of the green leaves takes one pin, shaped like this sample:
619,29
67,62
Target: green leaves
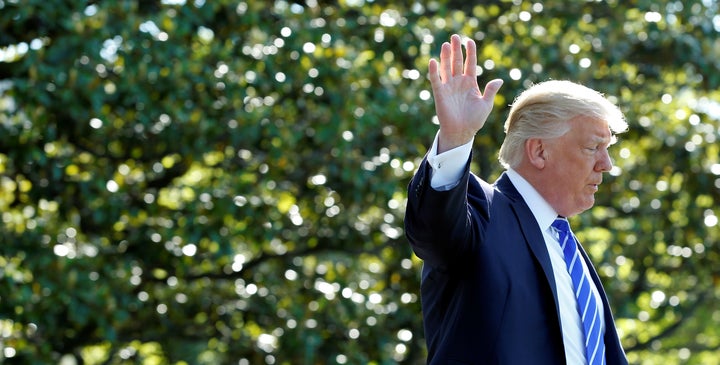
210,182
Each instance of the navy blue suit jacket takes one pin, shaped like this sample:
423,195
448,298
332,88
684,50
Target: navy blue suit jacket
488,291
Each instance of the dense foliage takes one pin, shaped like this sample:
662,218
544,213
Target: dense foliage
223,181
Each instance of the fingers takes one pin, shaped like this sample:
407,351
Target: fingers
433,74
445,61
471,59
491,89
452,62
456,55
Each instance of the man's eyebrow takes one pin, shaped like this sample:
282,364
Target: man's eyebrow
602,139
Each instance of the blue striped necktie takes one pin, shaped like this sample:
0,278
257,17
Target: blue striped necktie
587,303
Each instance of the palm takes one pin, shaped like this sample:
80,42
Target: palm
461,109
460,105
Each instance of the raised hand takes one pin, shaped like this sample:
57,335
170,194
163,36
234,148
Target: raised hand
461,109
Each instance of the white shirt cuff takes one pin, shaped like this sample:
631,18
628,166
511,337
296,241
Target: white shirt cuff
449,166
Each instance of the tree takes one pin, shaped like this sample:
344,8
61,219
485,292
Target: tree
214,182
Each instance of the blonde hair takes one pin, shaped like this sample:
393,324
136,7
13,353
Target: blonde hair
543,111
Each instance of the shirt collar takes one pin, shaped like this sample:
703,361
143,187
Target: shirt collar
542,211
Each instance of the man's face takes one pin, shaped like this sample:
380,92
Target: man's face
575,163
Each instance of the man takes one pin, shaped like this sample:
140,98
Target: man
504,281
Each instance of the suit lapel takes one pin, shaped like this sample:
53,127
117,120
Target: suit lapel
533,235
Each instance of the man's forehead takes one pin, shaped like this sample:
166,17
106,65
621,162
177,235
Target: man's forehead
594,130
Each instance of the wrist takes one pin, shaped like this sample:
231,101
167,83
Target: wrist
449,141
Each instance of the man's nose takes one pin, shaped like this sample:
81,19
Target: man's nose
604,163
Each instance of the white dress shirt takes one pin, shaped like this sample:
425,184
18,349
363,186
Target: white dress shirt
447,169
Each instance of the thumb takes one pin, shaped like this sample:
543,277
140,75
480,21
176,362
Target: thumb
492,88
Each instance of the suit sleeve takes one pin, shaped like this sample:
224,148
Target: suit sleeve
442,226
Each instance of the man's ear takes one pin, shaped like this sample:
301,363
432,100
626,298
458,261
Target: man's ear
535,152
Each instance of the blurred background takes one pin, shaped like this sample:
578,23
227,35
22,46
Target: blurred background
223,182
